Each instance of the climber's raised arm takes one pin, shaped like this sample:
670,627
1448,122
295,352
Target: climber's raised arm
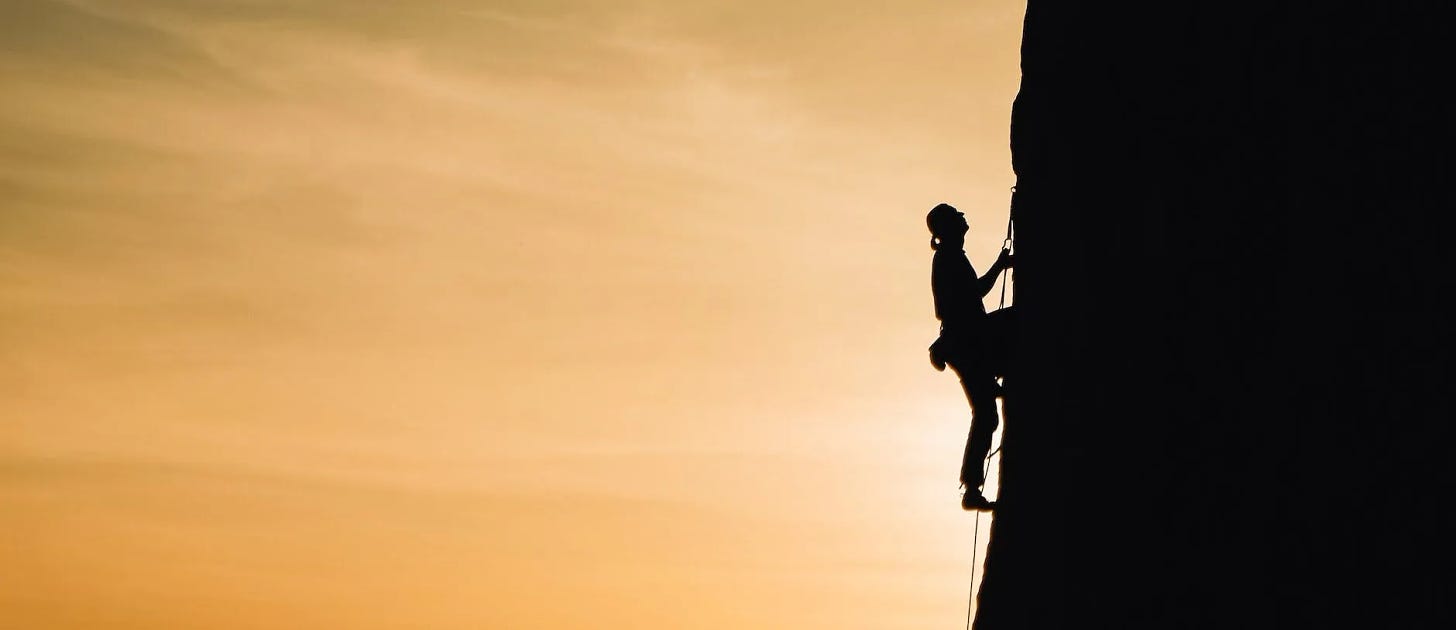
988,282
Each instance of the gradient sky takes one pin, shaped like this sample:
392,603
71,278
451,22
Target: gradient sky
449,315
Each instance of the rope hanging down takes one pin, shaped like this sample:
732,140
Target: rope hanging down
976,543
1008,244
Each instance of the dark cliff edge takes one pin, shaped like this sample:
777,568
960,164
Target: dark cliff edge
1232,400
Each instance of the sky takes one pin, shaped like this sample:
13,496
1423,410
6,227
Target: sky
448,314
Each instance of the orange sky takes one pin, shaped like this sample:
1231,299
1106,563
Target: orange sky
319,314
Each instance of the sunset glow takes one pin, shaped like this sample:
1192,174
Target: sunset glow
461,315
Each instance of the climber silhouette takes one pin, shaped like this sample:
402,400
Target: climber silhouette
973,344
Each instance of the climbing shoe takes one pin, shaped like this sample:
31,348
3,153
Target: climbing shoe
973,501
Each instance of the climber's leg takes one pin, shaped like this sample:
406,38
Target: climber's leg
978,445
1000,335
980,389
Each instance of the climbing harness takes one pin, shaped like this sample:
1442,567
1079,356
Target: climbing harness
1008,244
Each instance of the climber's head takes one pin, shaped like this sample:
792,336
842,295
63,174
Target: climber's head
947,225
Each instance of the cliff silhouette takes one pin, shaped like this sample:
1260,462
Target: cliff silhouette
1230,405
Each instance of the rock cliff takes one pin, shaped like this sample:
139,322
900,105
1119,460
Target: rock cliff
1231,405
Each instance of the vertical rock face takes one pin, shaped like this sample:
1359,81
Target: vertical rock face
1232,401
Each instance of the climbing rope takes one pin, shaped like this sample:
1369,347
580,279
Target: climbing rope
976,535
976,543
1008,244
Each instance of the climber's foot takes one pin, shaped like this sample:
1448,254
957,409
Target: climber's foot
973,501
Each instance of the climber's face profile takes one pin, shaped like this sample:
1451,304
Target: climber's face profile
947,223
